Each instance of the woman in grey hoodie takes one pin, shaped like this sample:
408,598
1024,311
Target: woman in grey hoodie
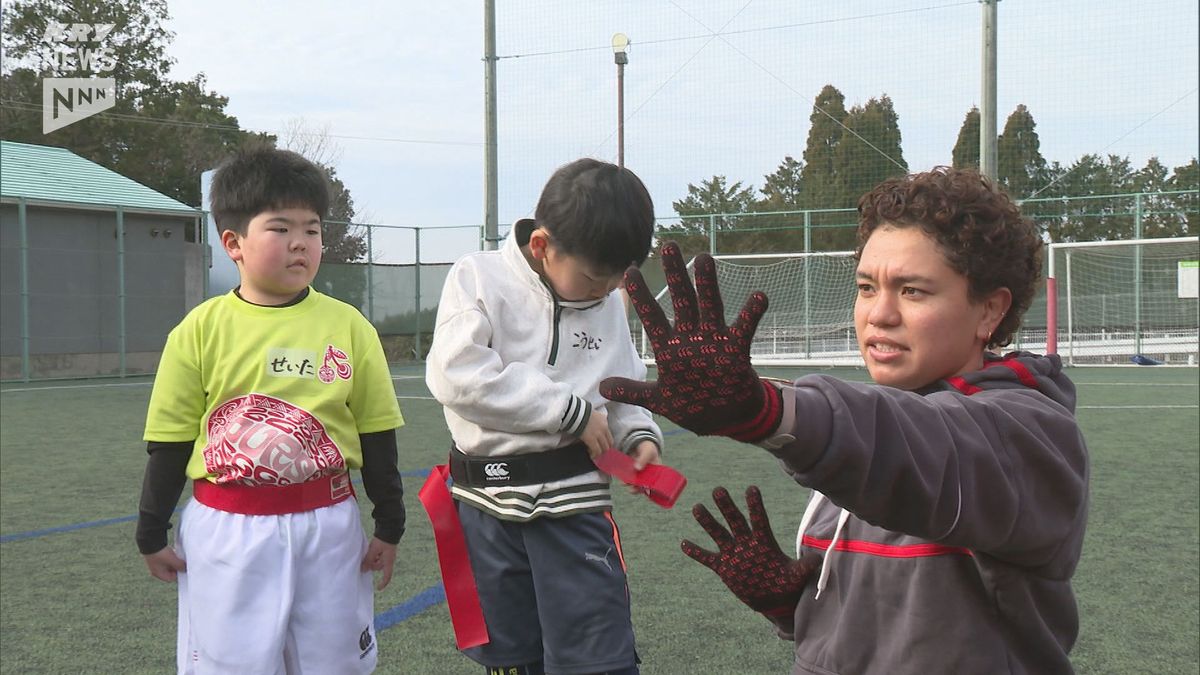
949,498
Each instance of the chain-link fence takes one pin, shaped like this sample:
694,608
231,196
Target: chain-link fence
81,300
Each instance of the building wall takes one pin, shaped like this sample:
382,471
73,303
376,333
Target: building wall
74,289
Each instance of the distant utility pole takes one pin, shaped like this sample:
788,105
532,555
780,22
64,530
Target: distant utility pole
987,107
491,220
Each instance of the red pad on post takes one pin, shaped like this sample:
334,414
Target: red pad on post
660,483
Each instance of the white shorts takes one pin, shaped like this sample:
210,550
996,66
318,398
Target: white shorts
275,595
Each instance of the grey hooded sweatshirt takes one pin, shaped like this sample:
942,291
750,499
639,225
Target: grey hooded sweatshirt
950,521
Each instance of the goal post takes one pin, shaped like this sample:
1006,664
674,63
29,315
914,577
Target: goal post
810,313
1121,302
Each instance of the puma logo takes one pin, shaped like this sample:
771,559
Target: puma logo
592,557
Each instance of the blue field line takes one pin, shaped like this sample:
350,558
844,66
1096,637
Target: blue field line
65,528
434,595
32,534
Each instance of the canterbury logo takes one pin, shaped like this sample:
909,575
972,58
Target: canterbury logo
496,470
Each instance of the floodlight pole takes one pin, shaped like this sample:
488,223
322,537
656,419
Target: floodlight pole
987,106
620,45
491,203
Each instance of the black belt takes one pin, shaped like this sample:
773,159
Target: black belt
528,469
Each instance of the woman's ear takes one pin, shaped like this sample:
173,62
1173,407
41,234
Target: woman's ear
995,306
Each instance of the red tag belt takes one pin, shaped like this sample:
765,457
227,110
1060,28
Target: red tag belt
661,484
462,597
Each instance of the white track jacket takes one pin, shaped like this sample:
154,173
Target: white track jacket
517,371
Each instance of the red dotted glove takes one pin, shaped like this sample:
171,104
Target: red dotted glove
705,381
749,559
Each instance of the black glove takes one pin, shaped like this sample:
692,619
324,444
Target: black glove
749,559
705,381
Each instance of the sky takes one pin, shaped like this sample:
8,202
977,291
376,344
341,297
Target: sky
713,87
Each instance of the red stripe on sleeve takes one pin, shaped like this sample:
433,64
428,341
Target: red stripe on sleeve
887,550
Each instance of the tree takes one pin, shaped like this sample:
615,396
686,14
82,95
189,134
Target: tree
777,232
1020,167
159,132
868,154
1094,219
708,205
714,197
1159,217
783,190
185,131
1187,177
344,241
966,149
818,176
138,40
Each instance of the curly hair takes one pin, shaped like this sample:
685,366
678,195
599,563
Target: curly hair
977,227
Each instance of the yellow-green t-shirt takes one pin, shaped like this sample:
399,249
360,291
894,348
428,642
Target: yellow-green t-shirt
272,395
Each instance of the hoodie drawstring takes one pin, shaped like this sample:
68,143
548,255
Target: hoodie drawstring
809,512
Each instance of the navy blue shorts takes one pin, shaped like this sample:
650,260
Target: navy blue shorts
552,589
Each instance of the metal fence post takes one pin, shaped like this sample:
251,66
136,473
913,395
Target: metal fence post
807,293
24,229
712,234
121,286
370,276
1137,275
417,274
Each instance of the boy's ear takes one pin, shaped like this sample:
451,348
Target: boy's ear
539,241
232,244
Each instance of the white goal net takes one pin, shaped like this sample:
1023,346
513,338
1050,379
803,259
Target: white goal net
1119,302
810,316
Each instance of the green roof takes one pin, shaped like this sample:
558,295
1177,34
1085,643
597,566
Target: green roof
42,173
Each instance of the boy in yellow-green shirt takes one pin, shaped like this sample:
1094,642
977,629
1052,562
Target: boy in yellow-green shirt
266,398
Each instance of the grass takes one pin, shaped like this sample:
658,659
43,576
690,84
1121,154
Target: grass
80,600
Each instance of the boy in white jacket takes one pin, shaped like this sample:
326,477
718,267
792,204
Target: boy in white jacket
524,335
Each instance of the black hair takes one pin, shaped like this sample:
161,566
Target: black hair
598,212
262,178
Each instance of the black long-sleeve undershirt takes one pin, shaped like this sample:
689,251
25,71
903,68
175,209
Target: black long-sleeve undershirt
163,482
166,477
381,480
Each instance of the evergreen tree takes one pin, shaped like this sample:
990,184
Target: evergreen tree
706,208
1158,215
1187,204
818,176
1096,219
966,149
783,190
714,197
1020,167
775,232
870,152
